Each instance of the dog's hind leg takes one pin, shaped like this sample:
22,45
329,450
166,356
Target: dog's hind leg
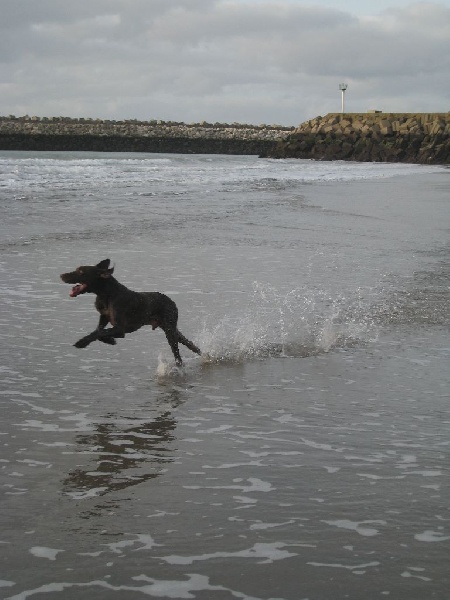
183,340
172,338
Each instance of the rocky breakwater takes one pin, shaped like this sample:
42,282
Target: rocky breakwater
375,137
61,133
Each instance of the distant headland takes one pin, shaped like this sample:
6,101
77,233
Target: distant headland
373,136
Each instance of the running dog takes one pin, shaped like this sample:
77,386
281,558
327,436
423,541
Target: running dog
125,309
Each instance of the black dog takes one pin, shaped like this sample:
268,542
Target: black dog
126,310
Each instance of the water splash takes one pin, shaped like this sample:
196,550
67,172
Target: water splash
167,369
301,322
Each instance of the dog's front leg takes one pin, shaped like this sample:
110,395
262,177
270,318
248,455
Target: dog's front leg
98,335
107,335
86,340
102,323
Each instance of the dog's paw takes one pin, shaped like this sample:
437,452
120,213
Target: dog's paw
110,341
82,343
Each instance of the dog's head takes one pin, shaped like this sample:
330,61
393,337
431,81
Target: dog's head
88,278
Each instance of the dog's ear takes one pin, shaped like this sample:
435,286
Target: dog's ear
107,273
104,264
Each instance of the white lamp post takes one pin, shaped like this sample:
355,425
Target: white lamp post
343,87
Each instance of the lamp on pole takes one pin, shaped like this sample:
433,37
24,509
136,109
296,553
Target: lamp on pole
343,87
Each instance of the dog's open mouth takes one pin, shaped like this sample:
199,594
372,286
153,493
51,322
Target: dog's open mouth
80,288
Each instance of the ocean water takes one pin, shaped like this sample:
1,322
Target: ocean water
305,454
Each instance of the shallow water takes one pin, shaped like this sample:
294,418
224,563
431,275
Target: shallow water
305,455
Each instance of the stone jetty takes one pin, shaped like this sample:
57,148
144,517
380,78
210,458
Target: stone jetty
373,136
63,133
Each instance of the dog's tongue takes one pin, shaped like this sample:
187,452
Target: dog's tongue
78,289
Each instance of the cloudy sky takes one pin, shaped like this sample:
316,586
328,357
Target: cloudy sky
247,61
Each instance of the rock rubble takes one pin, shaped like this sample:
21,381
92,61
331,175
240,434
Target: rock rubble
61,133
375,137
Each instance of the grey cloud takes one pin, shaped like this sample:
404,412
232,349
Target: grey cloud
217,60
233,20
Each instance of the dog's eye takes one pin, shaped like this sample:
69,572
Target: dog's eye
80,271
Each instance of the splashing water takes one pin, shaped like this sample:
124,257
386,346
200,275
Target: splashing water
164,368
299,323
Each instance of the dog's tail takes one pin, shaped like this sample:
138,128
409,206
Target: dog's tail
183,340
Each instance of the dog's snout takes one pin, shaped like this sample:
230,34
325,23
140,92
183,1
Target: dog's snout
67,277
